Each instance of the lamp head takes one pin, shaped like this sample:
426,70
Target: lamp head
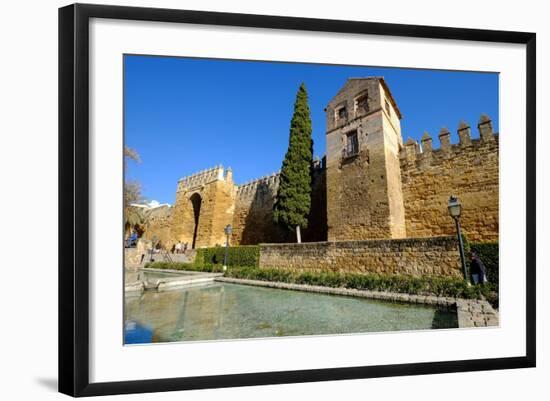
454,206
228,229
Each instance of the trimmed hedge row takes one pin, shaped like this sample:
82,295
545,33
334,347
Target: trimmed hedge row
243,256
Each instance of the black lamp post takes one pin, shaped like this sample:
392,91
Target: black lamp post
455,208
227,230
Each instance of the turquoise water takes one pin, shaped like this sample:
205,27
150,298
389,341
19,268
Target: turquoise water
229,311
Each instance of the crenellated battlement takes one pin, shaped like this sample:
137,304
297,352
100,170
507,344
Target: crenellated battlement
468,169
217,173
424,152
263,184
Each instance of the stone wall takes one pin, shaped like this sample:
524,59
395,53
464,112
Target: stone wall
468,170
413,256
253,216
248,207
159,224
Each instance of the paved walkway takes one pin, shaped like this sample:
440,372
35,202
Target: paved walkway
476,313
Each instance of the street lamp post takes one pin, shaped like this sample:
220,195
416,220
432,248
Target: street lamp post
154,240
455,208
227,230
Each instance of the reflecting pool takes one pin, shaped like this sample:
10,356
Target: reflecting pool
229,311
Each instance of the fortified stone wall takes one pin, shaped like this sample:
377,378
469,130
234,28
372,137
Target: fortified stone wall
253,216
468,170
413,256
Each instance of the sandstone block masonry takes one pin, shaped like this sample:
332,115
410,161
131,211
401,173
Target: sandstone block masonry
469,170
413,256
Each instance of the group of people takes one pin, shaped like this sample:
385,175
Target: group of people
180,247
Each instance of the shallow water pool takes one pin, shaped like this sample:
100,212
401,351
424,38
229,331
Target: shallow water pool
229,311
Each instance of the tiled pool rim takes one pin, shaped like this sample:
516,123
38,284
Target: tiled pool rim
470,312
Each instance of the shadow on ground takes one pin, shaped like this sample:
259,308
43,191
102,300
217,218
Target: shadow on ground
48,382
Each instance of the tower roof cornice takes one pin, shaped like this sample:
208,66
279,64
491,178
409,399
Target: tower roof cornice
382,82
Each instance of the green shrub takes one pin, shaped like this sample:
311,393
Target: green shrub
243,256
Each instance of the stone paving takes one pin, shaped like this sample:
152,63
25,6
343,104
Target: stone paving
476,313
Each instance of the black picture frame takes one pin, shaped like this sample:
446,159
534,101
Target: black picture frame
74,199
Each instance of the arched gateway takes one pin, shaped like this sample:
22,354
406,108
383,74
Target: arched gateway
204,206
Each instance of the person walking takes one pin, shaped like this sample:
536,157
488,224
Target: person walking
477,269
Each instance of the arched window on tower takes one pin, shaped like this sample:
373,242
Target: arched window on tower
361,104
340,114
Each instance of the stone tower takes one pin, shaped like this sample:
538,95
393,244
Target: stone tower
364,196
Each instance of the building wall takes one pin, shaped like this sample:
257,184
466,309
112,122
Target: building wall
413,256
468,170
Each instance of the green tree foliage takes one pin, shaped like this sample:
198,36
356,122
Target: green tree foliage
293,203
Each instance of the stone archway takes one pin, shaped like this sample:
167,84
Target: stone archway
196,202
204,206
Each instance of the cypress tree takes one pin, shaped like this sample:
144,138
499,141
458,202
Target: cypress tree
293,202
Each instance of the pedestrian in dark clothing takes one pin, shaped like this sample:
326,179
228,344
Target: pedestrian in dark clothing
477,269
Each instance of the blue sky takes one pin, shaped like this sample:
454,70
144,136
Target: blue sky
184,115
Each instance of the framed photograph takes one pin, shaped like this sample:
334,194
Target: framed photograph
251,199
